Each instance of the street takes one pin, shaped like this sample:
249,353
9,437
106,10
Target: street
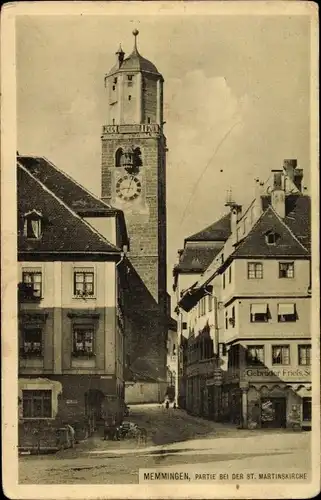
176,441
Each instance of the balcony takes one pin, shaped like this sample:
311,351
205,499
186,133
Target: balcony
135,128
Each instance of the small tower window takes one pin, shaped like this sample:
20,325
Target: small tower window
115,80
148,120
130,78
129,97
119,154
114,87
32,226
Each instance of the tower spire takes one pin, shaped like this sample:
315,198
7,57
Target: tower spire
135,33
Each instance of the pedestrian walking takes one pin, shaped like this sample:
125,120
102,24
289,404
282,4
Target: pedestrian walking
167,405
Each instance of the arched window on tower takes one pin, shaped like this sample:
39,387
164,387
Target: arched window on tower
119,154
138,162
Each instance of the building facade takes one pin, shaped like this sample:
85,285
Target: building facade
134,180
71,327
262,279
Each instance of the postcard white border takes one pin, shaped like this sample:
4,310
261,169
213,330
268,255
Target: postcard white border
9,247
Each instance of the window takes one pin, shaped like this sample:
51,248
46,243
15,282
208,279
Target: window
226,320
286,312
130,80
83,340
129,97
115,80
31,341
254,270
84,283
174,350
259,313
280,355
230,274
286,269
114,87
305,354
148,120
32,225
210,302
36,404
202,306
223,277
307,409
254,355
232,318
32,281
234,356
271,237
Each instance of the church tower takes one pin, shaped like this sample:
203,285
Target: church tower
133,180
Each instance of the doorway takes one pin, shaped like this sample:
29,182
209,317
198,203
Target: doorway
273,413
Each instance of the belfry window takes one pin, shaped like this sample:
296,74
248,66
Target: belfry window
119,154
32,226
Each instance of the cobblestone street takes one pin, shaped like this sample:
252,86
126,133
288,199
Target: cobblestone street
175,440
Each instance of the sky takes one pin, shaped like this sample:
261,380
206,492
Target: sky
236,101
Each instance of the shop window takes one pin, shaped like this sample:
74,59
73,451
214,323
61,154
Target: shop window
84,282
234,356
304,355
37,404
32,226
259,313
286,269
83,340
307,409
286,312
280,355
254,270
32,284
31,341
254,355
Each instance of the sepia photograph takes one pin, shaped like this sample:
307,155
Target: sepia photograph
160,250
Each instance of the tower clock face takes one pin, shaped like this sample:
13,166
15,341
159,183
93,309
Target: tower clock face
128,188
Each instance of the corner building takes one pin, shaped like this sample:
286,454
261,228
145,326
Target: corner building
134,179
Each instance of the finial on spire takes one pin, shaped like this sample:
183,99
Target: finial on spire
135,33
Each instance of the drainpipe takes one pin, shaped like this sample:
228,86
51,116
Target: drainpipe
179,336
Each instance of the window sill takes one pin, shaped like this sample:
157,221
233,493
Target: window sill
84,297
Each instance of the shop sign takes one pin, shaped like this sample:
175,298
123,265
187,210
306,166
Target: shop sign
287,374
71,401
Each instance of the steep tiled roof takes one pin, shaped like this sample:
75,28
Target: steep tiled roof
255,244
197,258
63,230
298,215
218,231
64,187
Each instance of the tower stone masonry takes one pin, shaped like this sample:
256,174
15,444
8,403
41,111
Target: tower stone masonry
134,180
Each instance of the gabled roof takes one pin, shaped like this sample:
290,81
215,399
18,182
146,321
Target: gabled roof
255,243
64,187
63,230
218,231
297,215
195,259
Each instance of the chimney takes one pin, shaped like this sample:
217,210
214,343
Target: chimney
289,167
298,176
278,194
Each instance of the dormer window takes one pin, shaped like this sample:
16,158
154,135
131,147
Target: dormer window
271,237
32,226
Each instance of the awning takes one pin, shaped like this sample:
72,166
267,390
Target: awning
286,309
258,308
